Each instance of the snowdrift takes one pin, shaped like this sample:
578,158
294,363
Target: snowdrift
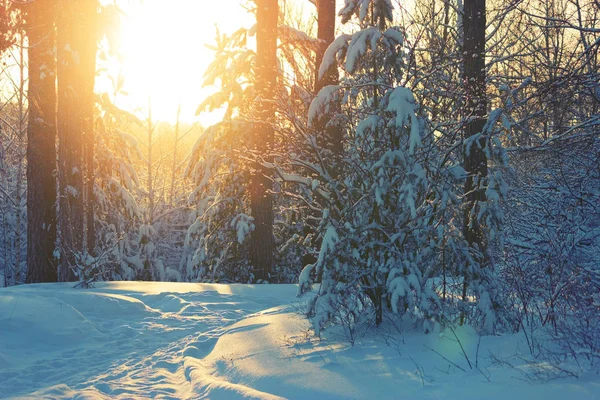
181,341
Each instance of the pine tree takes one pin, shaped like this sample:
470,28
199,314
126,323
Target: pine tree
76,38
475,113
262,240
219,243
115,185
41,145
391,225
328,130
326,35
375,227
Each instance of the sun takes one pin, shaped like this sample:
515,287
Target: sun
164,56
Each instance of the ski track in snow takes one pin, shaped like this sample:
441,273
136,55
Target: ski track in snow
139,349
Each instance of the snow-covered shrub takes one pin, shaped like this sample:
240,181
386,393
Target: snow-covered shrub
552,260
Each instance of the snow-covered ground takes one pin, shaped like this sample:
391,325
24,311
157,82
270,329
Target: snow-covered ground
177,340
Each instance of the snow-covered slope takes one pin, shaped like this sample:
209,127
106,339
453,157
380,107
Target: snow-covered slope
177,340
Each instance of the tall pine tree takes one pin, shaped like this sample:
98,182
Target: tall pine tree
41,144
475,159
263,242
76,27
329,132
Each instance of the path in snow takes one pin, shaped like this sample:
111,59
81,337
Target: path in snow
113,340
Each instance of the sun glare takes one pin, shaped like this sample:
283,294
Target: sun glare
164,54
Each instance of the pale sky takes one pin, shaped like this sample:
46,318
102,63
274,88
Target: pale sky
163,43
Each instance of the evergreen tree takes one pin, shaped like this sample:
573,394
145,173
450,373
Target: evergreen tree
326,17
391,234
41,145
76,38
224,158
475,159
262,240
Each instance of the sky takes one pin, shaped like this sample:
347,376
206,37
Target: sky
164,54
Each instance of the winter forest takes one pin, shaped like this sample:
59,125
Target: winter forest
399,170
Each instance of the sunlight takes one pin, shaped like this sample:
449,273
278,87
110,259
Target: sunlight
164,54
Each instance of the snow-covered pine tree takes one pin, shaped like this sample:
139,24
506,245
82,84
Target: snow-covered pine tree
222,159
392,237
216,247
370,254
116,188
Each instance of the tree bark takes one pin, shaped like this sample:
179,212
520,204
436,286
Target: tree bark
22,129
475,160
90,227
326,34
330,135
76,30
41,144
262,240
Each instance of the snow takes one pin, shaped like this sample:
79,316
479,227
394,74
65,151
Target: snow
361,42
183,340
402,102
320,104
329,240
331,54
394,35
243,225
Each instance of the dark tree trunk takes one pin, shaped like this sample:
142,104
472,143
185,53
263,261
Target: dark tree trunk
475,160
41,144
88,77
90,197
262,240
326,34
329,134
76,30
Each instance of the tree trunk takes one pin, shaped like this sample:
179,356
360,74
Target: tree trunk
475,160
174,166
76,30
90,227
41,143
150,166
330,135
22,129
326,35
262,240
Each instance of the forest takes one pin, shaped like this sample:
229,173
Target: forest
431,161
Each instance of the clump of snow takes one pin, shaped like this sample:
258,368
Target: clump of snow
361,42
330,57
320,105
402,102
243,225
